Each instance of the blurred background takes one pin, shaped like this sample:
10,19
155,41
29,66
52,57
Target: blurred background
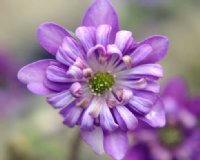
29,128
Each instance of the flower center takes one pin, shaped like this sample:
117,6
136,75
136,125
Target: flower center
101,82
171,136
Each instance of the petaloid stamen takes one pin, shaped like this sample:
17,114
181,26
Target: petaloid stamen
128,61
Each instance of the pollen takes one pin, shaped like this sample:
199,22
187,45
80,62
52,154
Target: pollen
101,82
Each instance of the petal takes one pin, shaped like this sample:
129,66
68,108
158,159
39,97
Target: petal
96,57
124,41
140,104
57,87
113,50
69,51
152,86
194,106
34,74
61,100
92,111
128,117
159,46
103,34
50,36
87,37
116,144
119,120
139,152
142,101
56,74
141,53
156,117
71,115
74,72
154,70
106,119
94,138
101,12
176,90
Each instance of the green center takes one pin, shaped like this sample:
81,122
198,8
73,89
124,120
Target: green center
101,82
171,136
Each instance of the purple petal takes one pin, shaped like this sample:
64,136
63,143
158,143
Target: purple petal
116,144
119,120
87,37
141,53
69,51
103,34
153,86
139,152
156,117
154,70
57,87
124,41
61,100
194,106
106,119
72,115
90,113
34,74
128,117
159,46
142,101
140,104
94,138
50,36
74,72
114,51
101,12
176,90
56,74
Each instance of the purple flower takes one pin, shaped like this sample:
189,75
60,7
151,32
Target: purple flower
101,78
179,138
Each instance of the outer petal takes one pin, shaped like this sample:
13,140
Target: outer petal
101,12
156,117
116,144
50,36
33,75
94,139
159,45
141,53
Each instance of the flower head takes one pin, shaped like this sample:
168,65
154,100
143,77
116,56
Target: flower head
179,139
102,80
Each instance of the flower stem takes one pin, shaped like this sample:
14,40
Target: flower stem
75,148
